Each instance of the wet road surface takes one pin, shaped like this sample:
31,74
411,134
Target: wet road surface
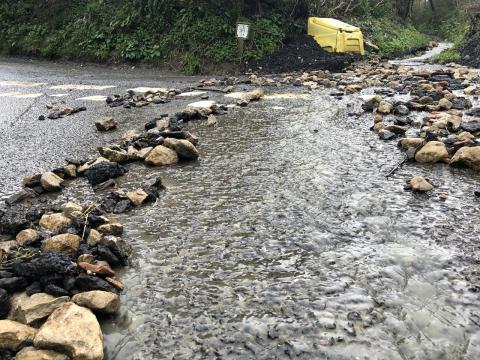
284,241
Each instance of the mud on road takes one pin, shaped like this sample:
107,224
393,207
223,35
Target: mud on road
285,240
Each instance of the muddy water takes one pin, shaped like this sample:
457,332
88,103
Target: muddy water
287,241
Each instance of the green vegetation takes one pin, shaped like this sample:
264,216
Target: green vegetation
191,35
394,38
447,56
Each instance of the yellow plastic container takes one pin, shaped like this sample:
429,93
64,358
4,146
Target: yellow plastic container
336,36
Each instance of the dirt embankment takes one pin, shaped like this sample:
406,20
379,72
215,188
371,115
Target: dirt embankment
470,49
302,53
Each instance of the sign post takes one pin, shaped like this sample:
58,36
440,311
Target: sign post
243,33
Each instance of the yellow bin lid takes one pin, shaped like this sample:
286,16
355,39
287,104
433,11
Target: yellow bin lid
334,24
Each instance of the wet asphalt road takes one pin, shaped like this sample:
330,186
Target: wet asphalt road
285,241
30,146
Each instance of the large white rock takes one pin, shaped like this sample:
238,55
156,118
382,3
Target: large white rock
51,181
184,148
31,353
64,243
54,222
14,335
99,301
432,152
161,156
73,330
30,309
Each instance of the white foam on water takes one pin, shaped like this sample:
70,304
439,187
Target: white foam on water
81,87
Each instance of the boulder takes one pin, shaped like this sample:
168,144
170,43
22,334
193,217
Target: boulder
88,283
104,171
31,353
407,143
24,237
89,164
184,148
105,123
161,156
401,110
385,107
137,197
119,246
119,156
4,303
71,208
72,330
94,237
445,104
70,170
14,335
20,196
130,135
432,152
371,102
86,258
13,284
212,121
30,309
14,219
51,182
98,269
54,222
467,156
64,243
420,184
111,229
99,301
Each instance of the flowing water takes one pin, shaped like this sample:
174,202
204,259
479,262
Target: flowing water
287,241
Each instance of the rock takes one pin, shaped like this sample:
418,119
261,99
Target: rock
56,291
184,148
396,129
420,184
119,246
20,196
88,283
72,330
104,171
64,243
86,258
386,135
116,283
31,353
26,236
30,309
104,253
99,301
89,164
471,126
137,197
432,152
212,121
13,284
385,107
474,112
51,182
371,102
70,170
467,156
102,270
401,110
54,222
407,143
444,104
130,135
71,208
43,266
14,336
4,303
461,103
161,156
94,237
111,229
105,123
15,219
119,156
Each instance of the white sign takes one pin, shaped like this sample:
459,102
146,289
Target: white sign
243,31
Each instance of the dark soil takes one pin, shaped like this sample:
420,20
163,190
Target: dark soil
470,49
302,53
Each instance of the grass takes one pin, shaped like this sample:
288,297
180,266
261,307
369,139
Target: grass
447,56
